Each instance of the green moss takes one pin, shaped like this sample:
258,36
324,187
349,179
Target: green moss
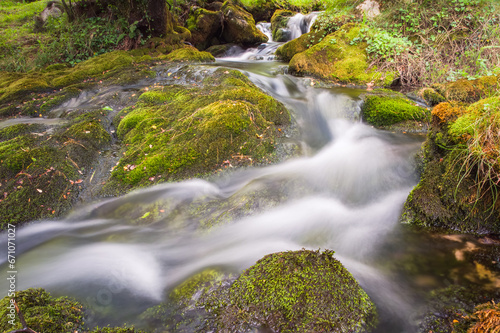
13,131
380,110
40,174
279,22
286,51
204,26
189,54
431,96
177,131
240,26
468,91
42,312
337,57
302,291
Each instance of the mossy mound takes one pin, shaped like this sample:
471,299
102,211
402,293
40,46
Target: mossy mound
431,96
383,109
42,312
40,171
458,189
302,291
279,23
239,26
286,51
188,54
178,131
36,92
468,91
204,26
340,57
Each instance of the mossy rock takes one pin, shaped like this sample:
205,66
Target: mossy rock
458,189
301,291
470,91
385,109
431,96
178,131
279,23
188,54
40,172
286,51
204,26
239,26
219,51
338,58
42,312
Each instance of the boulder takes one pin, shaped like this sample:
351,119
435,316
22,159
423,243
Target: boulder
300,291
369,8
205,25
279,25
239,26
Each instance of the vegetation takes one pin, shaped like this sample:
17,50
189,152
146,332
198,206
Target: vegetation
302,291
177,131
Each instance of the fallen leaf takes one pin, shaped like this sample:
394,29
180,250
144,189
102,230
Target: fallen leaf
39,190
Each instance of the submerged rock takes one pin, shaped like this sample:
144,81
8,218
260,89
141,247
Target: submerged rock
301,291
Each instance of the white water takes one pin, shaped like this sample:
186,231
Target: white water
344,194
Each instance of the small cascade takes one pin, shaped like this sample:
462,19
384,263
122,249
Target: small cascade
301,24
265,27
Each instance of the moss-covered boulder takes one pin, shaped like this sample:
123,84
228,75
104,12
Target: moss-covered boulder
470,91
239,26
459,186
279,23
385,108
286,51
188,54
42,312
341,57
431,96
205,26
302,291
41,170
178,131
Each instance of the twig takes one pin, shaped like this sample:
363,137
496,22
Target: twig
25,328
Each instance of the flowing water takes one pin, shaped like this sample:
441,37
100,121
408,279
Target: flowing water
344,192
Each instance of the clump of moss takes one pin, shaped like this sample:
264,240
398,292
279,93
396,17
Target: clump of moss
447,112
286,51
385,109
340,57
468,91
189,54
178,131
431,97
302,291
42,312
40,172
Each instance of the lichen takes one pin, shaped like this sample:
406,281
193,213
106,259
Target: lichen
302,291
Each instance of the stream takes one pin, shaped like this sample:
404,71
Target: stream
344,192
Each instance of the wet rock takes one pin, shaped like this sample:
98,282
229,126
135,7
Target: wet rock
301,291
205,25
340,57
279,25
239,26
